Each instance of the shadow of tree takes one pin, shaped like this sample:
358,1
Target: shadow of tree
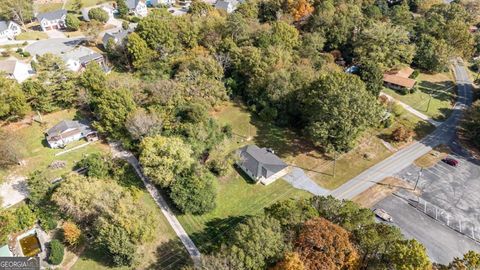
171,255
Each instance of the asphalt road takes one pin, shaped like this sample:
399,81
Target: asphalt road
441,242
403,158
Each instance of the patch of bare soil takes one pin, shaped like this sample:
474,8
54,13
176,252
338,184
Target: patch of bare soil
381,190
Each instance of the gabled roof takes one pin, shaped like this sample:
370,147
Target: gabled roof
78,53
400,77
118,36
260,161
8,66
53,15
4,25
91,57
67,128
132,4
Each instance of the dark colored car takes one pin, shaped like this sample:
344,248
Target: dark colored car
451,161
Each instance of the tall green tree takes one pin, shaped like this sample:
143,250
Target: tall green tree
337,108
20,11
13,103
38,186
72,22
432,54
408,254
164,158
138,50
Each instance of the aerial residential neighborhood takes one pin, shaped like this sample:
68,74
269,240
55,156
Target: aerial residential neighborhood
249,135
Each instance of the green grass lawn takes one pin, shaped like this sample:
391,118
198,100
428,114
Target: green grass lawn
31,144
236,198
85,3
47,7
165,252
439,86
32,35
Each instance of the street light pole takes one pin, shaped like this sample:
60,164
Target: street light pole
418,179
429,100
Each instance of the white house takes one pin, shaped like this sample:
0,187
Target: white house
228,6
160,2
78,58
68,131
107,7
16,70
137,7
9,30
261,164
52,20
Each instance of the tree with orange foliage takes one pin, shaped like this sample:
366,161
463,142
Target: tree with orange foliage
291,261
323,245
71,233
300,9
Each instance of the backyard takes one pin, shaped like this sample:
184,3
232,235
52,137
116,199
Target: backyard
36,155
437,89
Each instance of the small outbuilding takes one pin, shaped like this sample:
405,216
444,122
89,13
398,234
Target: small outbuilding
68,131
261,164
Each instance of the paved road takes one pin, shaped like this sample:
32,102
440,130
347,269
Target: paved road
400,160
162,204
441,242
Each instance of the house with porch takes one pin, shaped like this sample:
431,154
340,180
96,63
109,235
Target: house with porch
261,164
54,20
68,131
399,79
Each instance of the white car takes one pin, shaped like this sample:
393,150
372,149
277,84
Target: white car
382,214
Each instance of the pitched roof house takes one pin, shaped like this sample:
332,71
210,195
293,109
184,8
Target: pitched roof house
78,59
137,7
261,164
106,7
68,131
16,70
9,30
117,37
52,20
227,5
399,79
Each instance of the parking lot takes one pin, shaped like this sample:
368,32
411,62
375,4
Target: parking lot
448,210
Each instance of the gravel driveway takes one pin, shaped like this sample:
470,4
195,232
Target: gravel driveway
298,179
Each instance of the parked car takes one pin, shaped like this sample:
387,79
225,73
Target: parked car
451,161
382,214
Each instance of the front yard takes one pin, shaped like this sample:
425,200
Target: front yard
440,87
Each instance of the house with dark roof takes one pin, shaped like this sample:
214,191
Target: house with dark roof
399,79
9,30
137,7
77,59
117,37
52,20
68,131
261,164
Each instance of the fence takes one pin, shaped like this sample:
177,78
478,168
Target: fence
456,223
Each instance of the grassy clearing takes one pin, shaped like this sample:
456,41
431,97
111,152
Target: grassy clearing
32,35
440,86
236,198
85,3
31,144
165,252
47,7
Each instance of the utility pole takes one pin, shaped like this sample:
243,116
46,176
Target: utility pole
334,163
418,179
429,100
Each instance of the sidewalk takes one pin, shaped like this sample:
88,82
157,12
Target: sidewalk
413,111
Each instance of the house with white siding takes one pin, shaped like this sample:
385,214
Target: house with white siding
9,30
53,20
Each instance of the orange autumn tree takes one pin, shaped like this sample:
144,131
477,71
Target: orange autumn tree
291,261
323,245
71,233
300,9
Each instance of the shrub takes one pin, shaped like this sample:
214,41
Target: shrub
98,14
25,217
397,109
71,233
402,134
125,25
56,252
414,74
72,22
19,50
26,54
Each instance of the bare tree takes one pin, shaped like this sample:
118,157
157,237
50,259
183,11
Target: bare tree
141,123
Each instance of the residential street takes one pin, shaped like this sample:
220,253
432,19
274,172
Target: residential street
192,250
403,158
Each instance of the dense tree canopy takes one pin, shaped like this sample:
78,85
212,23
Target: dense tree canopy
13,103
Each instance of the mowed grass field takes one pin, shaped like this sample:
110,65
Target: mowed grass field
28,137
442,89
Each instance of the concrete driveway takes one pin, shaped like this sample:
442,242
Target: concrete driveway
298,179
54,45
55,34
13,191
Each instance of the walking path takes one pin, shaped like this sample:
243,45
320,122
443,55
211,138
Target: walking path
413,111
117,151
403,158
72,149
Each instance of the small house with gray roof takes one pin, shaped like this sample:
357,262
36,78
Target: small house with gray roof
52,20
137,7
261,164
68,131
9,30
117,37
